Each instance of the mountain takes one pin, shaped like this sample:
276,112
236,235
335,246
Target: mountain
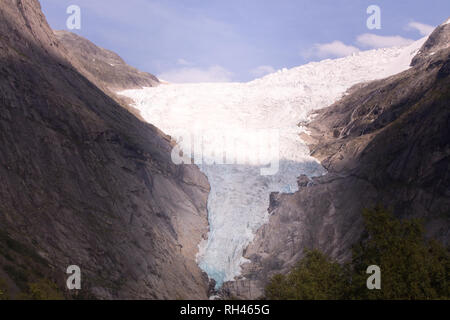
84,182
88,181
385,142
267,110
266,115
106,69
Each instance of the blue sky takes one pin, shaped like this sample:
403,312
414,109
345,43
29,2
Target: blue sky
239,40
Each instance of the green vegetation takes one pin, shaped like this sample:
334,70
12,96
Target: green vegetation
43,289
411,267
4,295
315,277
27,270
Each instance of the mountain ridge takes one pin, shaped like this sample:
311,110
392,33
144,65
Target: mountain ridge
385,137
85,182
106,69
106,66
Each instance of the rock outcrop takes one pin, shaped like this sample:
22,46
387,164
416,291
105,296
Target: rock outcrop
84,182
107,70
386,142
438,40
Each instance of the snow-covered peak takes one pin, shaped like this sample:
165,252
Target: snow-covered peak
385,62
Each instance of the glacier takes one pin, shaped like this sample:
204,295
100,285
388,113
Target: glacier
239,196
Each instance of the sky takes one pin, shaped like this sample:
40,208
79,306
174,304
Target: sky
240,40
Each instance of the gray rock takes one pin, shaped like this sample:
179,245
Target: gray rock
84,181
387,142
438,40
105,68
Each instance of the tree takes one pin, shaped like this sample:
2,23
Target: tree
315,277
411,266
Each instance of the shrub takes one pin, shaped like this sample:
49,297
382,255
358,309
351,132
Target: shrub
43,289
315,277
411,267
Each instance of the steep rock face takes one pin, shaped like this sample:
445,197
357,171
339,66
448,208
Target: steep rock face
386,142
104,65
104,68
85,182
438,40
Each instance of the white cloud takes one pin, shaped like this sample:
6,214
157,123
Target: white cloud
332,49
186,74
183,62
262,70
337,48
376,41
424,29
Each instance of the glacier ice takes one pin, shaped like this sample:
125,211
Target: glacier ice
239,197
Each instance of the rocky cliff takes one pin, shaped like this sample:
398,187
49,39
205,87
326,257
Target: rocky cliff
386,142
107,68
84,181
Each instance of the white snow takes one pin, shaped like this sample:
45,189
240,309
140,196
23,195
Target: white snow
239,197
